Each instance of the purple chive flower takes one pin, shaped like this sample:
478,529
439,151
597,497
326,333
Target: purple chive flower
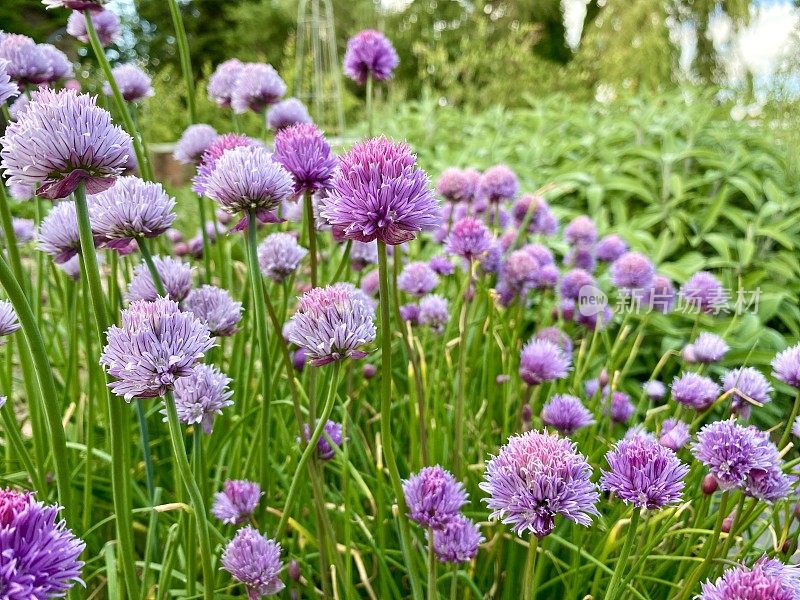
542,360
709,348
257,86
8,89
222,81
440,265
469,239
580,230
747,386
674,434
215,307
457,541
434,312
644,473
371,283
255,561
704,293
581,256
287,113
175,275
455,185
58,234
558,337
417,279
786,366
303,151
26,63
566,413
106,24
129,210
332,323
60,140
655,390
380,193
60,65
541,220
519,272
363,254
194,141
40,555
156,345
133,83
201,395
433,497
279,255
574,281
632,271
410,313
536,477
497,184
247,178
695,391
659,295
767,579
72,267
237,501
91,5
592,386
212,154
8,319
332,430
369,54
24,230
619,407
610,248
540,253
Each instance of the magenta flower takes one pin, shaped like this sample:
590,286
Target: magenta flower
257,86
469,239
536,477
60,140
58,233
695,391
369,53
434,312
222,81
156,345
417,279
456,185
106,24
133,83
302,150
380,193
202,395
433,497
566,413
286,113
279,255
541,361
215,307
175,275
786,366
457,541
332,323
767,579
237,501
644,473
194,141
91,5
497,184
255,561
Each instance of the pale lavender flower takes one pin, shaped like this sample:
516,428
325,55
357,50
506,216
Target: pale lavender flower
541,361
695,391
380,193
644,473
175,275
497,184
286,113
8,319
237,501
410,313
674,434
212,154
370,284
332,323
363,254
58,233
279,255
704,293
469,239
796,428
255,561
433,497
536,477
659,295
709,348
457,541
581,256
71,267
580,230
8,89
61,140
786,366
540,253
248,179
655,390
106,24
303,151
202,395
257,86
332,430
133,83
222,81
610,248
767,579
519,272
215,307
558,337
60,66
747,386
619,407
632,271
417,279
566,413
156,345
455,185
26,62
193,143
542,221
369,54
441,265
24,230
434,312
39,559
131,209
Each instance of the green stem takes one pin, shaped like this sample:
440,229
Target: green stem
462,371
119,466
624,556
386,420
370,119
186,59
310,448
528,585
787,432
431,567
195,497
343,262
308,205
10,236
151,266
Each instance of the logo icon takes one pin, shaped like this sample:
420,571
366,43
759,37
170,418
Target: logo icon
591,301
